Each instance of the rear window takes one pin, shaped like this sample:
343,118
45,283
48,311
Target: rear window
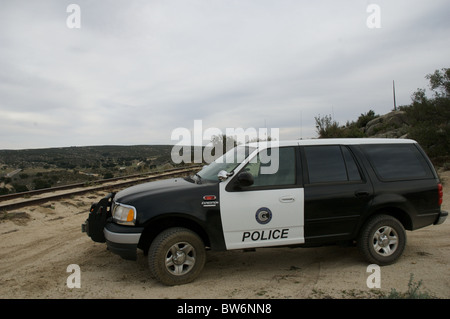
397,161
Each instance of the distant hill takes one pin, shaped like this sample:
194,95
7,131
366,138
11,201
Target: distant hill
22,170
86,156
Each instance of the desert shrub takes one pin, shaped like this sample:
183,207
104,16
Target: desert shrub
413,291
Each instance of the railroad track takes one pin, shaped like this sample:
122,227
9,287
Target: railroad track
23,199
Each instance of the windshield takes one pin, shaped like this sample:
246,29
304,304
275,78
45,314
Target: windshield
228,162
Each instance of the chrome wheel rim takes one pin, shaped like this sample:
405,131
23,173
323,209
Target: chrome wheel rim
385,241
180,258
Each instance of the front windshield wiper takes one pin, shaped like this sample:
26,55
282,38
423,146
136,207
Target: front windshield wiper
189,179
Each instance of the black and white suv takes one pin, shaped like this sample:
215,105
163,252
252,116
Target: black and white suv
322,191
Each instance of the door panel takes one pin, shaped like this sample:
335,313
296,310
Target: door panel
268,213
336,193
332,211
262,217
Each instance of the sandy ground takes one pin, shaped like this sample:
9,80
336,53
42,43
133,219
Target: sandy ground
38,243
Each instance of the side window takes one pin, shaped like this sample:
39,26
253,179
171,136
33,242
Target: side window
397,162
285,175
330,164
352,168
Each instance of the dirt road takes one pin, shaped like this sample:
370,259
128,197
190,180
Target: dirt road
37,244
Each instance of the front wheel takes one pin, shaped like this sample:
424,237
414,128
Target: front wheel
176,256
382,240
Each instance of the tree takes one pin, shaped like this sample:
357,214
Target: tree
363,119
430,117
440,82
20,188
108,175
41,183
327,127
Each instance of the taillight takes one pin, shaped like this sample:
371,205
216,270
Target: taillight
441,194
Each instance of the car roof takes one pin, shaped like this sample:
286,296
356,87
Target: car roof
332,141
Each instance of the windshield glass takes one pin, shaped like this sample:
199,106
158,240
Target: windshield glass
228,162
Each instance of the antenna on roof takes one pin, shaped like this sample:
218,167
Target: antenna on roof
265,126
393,90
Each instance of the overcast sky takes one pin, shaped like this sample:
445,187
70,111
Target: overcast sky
136,70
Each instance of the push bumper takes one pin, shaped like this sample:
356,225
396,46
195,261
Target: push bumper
441,218
121,240
97,219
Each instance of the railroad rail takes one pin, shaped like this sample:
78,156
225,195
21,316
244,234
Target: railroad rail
23,199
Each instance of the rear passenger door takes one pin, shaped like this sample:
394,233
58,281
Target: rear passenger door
336,192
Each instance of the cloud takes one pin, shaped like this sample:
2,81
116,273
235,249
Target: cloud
137,70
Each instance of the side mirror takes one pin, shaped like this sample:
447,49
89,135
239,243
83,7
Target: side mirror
245,179
223,175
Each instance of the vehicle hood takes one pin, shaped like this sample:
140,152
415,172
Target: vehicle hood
168,196
164,187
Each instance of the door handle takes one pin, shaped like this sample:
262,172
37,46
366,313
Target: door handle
362,194
287,199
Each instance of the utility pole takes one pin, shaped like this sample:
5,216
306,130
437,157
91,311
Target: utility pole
265,125
393,89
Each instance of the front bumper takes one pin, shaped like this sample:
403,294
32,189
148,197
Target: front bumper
122,240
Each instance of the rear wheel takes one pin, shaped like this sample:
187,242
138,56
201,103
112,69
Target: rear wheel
176,256
382,240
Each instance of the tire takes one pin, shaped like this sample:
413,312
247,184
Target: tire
176,256
382,240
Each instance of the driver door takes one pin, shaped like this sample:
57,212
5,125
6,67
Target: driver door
270,211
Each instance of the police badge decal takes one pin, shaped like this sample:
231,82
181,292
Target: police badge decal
263,215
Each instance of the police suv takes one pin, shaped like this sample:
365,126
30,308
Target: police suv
299,193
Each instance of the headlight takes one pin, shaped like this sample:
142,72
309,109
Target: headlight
124,214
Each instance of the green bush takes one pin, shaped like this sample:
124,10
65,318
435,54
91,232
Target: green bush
20,188
4,191
41,183
413,291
